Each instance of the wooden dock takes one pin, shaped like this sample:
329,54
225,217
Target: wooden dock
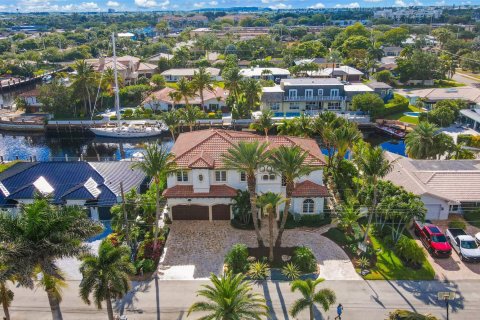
10,84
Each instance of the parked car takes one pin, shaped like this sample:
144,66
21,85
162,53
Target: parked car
464,244
433,239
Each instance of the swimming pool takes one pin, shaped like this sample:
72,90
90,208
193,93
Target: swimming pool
412,114
107,229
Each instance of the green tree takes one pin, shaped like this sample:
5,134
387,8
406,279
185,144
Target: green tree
83,84
270,201
310,297
384,76
106,276
158,80
264,122
368,102
172,119
232,79
230,298
421,142
348,216
37,236
459,152
442,116
251,91
248,157
324,126
201,82
343,139
291,164
185,90
190,115
309,49
396,36
56,98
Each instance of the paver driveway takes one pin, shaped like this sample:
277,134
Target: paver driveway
195,249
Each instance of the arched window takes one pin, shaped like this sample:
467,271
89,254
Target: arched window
308,205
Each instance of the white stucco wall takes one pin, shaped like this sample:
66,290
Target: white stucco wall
297,205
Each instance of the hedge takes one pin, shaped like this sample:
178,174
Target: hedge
469,140
396,105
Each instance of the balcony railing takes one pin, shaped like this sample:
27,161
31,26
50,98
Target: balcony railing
314,98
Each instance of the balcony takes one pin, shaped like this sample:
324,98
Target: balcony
314,98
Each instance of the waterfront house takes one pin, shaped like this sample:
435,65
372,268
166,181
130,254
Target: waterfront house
344,73
322,63
156,58
445,187
93,185
30,97
203,189
173,75
265,73
471,118
384,90
307,95
432,95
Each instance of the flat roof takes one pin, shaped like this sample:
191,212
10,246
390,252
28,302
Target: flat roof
471,114
357,88
312,81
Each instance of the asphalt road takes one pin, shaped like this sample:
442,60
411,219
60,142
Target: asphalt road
367,300
464,78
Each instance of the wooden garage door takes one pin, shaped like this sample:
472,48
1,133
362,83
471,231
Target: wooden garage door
221,212
193,212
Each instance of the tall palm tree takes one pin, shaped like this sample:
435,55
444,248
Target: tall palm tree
6,297
53,286
373,166
84,83
230,297
324,126
251,90
201,82
39,235
185,90
158,164
291,164
324,297
264,122
348,216
303,125
190,115
172,120
248,157
420,143
233,79
106,275
269,201
176,96
458,151
343,139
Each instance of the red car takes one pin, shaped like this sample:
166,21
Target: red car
433,239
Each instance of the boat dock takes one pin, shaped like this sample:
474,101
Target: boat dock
14,83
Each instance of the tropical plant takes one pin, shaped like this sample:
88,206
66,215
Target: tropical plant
304,258
348,216
291,271
264,122
185,90
270,201
409,251
106,275
232,79
53,286
241,207
459,152
310,297
409,315
420,143
236,258
176,96
84,83
190,115
343,139
249,157
37,236
258,270
158,163
251,90
363,262
230,298
291,164
171,118
201,82
324,126
158,80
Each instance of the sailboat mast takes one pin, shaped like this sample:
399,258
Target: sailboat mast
117,98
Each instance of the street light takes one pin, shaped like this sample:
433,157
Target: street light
446,296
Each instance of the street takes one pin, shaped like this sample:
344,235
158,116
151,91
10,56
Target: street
361,300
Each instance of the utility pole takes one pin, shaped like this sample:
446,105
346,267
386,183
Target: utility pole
124,209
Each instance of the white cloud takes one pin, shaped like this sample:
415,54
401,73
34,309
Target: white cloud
113,4
199,4
400,3
281,6
318,5
44,6
373,0
213,3
152,4
352,5
270,1
3,7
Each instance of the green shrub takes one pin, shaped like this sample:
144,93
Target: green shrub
409,315
212,115
304,258
363,262
309,221
236,258
457,224
395,105
145,265
258,270
408,250
473,216
291,271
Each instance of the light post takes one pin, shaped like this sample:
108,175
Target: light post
446,296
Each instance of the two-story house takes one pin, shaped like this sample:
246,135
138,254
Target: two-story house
203,189
306,95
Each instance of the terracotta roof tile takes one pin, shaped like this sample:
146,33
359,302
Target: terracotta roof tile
202,161
186,191
308,188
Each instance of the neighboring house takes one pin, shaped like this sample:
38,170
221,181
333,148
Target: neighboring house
127,35
182,21
384,90
392,51
213,100
128,67
156,58
471,118
322,63
173,75
203,189
344,73
306,95
31,100
94,185
265,73
431,96
445,187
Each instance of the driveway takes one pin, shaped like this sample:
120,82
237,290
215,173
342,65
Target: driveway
195,249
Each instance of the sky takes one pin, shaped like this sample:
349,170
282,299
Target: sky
145,5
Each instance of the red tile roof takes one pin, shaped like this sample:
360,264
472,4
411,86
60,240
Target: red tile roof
308,188
202,161
214,143
162,95
186,191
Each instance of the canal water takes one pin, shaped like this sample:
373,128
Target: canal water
46,147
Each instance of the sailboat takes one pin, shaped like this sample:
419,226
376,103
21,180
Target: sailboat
135,129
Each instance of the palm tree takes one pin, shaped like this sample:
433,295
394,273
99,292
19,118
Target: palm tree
343,139
373,166
230,298
232,79
106,275
291,164
324,126
264,122
172,120
83,83
458,151
266,73
201,82
303,125
420,143
348,216
185,90
251,90
248,157
175,96
158,164
6,298
39,235
269,201
324,297
190,115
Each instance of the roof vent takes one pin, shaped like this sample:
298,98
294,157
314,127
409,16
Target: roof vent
451,90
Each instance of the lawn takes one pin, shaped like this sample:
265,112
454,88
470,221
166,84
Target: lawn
472,217
400,116
5,166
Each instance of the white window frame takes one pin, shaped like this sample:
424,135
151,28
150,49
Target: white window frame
320,92
294,106
182,176
292,93
308,93
275,106
308,206
220,176
334,92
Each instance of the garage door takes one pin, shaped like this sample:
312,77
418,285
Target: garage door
433,211
192,212
221,212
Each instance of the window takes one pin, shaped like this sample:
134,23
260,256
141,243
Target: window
292,93
320,92
265,177
334,92
454,207
200,177
309,93
220,176
294,106
182,176
243,176
275,106
334,106
308,205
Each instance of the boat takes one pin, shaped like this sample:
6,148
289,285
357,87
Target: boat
130,129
